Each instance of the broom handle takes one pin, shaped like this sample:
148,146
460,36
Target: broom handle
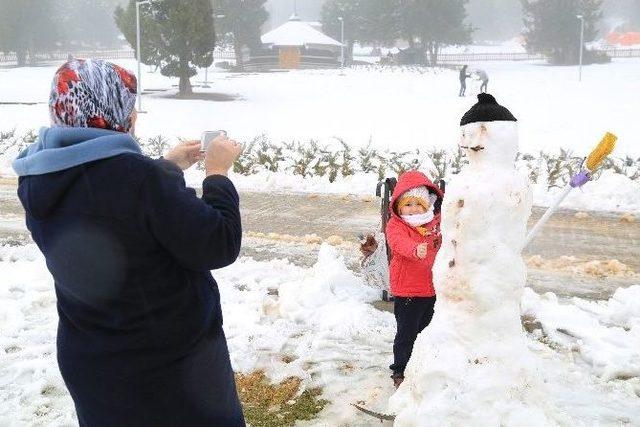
543,220
595,158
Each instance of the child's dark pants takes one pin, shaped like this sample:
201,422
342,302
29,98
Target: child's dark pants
413,314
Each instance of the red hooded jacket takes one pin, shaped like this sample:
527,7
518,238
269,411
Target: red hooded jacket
411,276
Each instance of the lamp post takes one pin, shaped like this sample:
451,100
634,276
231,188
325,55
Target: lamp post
139,88
341,19
581,18
206,70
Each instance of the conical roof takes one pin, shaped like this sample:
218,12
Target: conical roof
297,33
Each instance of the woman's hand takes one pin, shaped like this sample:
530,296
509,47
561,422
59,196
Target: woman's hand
220,155
421,250
185,154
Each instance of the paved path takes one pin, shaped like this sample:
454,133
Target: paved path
275,226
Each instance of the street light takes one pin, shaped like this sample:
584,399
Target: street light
139,89
581,18
206,70
341,41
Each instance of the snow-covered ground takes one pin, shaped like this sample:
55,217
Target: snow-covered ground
394,108
317,323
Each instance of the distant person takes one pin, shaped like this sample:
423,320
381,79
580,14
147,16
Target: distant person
483,77
130,249
463,80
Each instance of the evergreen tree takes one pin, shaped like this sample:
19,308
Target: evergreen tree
88,23
28,27
381,22
242,21
365,21
482,16
176,35
349,11
429,25
552,27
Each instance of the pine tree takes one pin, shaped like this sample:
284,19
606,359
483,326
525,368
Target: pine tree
242,21
350,12
483,13
29,27
88,23
176,35
552,27
429,25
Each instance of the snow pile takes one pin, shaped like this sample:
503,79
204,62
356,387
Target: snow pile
604,335
6,158
32,391
316,324
313,323
610,192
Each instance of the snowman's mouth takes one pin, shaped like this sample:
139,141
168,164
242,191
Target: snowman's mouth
476,148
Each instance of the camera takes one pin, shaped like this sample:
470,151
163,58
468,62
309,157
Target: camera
208,136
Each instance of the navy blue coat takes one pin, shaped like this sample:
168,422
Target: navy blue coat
130,248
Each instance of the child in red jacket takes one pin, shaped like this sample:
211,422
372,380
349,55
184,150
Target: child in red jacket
413,234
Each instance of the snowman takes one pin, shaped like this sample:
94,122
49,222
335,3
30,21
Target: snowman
472,366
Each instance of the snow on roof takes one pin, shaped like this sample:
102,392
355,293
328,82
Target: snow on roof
297,33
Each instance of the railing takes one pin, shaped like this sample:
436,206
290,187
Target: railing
621,53
11,57
444,58
497,56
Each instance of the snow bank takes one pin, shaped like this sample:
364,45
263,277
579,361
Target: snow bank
610,193
392,109
604,335
314,323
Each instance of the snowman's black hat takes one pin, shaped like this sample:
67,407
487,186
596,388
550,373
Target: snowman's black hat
487,110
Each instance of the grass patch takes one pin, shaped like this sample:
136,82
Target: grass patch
277,405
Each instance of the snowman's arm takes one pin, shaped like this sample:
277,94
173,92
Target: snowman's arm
400,243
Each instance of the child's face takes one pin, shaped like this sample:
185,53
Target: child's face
412,208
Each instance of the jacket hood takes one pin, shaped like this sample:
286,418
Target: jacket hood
49,167
60,148
410,180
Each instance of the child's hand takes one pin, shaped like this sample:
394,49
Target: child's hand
421,250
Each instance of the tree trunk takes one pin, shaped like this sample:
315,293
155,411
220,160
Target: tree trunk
32,58
349,53
237,48
434,47
185,82
21,57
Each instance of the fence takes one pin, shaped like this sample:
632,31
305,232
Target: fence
11,57
621,53
443,58
497,56
458,58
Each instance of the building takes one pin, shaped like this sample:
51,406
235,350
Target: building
293,45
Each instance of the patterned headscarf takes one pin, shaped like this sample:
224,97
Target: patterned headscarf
92,93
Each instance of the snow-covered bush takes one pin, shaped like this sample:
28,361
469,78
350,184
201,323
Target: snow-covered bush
312,159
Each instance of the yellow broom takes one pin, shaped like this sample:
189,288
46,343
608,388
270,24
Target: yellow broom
594,160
